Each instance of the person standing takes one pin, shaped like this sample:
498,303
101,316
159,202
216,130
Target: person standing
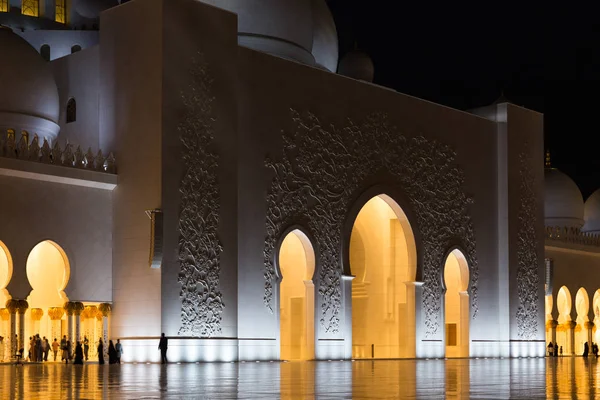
119,349
55,347
162,346
112,353
69,350
86,347
78,354
100,352
63,348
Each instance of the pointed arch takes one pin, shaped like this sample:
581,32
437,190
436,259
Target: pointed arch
456,304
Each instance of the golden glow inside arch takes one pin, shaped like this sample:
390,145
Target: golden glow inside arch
563,305
48,272
383,260
6,271
582,307
456,304
296,297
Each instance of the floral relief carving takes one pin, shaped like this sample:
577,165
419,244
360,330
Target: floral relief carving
199,248
528,279
321,171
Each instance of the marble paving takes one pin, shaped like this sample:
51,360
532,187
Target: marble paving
527,378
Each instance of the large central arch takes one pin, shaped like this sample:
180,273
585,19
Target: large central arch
383,259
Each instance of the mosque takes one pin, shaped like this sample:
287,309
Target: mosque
213,171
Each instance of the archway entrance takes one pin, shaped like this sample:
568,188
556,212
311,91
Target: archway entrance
596,306
48,273
297,297
563,331
6,269
383,261
456,305
582,306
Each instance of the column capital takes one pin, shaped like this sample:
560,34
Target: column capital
588,325
12,305
551,323
22,306
105,309
37,314
4,314
56,313
78,307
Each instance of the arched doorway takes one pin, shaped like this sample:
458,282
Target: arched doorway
582,306
456,304
296,262
596,309
563,331
6,269
383,260
549,319
48,272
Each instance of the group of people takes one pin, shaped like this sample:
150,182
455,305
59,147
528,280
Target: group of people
554,349
114,351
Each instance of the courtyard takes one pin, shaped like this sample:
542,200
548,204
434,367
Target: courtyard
523,378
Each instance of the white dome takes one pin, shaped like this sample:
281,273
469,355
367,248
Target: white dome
325,38
30,98
281,28
591,213
563,203
358,65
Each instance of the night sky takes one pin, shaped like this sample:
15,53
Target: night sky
466,58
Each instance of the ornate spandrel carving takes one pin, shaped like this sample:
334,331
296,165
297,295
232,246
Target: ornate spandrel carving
199,247
34,149
46,153
79,158
23,148
528,279
322,170
68,159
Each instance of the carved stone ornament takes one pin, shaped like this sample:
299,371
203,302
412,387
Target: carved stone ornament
199,250
323,169
528,279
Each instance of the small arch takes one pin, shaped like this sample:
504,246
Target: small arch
45,52
6,271
75,48
582,307
48,271
563,330
296,267
71,110
456,304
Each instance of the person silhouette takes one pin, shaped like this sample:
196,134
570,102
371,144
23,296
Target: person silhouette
162,346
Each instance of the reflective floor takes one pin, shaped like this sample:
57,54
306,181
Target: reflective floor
535,378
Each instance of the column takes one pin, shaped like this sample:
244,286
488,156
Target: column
69,305
11,306
4,317
56,314
570,338
347,313
589,325
105,310
36,316
22,308
552,324
77,309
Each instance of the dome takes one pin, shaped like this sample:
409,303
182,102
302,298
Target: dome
280,28
358,65
92,8
30,98
591,213
563,203
325,39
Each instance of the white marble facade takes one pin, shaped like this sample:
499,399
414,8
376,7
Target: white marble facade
236,145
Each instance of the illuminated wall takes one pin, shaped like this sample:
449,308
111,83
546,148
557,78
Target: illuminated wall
582,306
456,305
6,269
563,332
382,257
296,294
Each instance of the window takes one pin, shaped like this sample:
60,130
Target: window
3,5
75,49
71,110
60,14
45,52
30,7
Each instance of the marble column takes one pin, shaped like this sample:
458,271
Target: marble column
551,325
77,309
22,308
412,289
11,306
347,312
69,310
571,338
589,326
36,316
105,309
56,314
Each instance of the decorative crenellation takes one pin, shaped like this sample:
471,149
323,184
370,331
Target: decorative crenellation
572,235
66,157
322,171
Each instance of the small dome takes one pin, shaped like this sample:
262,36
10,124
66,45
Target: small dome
325,38
280,28
358,65
563,203
591,213
92,8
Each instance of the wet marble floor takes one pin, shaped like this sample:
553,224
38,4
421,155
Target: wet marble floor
533,378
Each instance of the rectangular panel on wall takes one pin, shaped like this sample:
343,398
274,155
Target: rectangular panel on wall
451,335
156,238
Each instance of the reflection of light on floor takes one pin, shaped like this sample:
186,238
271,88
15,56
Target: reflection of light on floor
455,378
